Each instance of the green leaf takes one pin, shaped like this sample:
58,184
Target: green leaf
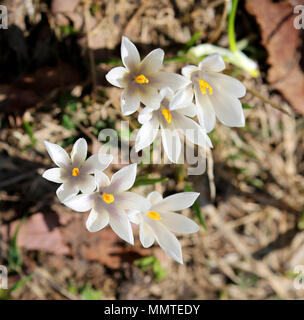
18,285
14,255
67,122
145,180
89,293
158,271
246,106
144,262
196,208
193,39
301,222
29,131
231,31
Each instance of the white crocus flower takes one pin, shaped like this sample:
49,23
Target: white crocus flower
141,80
109,203
159,221
172,116
74,172
216,94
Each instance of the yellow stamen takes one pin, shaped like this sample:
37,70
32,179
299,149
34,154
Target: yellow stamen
167,115
141,79
154,215
108,198
75,172
204,86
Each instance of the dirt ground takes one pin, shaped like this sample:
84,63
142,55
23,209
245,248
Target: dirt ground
53,59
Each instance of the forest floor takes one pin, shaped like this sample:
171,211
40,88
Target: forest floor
252,194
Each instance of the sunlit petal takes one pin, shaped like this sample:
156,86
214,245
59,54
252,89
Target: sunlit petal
97,220
178,201
53,175
129,54
57,154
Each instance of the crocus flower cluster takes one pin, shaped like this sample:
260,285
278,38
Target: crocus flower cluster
111,203
168,98
171,101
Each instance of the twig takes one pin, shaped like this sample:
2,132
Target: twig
210,174
90,52
138,13
266,100
43,274
220,28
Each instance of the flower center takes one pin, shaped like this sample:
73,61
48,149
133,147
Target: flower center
204,85
75,172
141,79
108,198
154,215
167,115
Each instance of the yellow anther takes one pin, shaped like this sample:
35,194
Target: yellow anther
154,215
75,172
167,115
108,198
204,85
141,79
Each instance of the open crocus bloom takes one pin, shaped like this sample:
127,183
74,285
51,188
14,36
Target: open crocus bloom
216,93
172,117
74,172
109,203
159,221
141,80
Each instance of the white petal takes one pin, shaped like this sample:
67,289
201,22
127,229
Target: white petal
226,84
166,79
212,63
189,110
129,101
166,92
228,109
145,115
178,201
146,235
97,220
66,191
154,197
134,216
87,184
120,224
102,180
178,223
152,62
57,154
149,96
79,152
53,175
188,70
172,144
129,54
132,201
98,161
116,77
191,130
205,110
80,203
167,241
124,179
147,134
182,98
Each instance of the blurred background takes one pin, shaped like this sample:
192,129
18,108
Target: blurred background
53,59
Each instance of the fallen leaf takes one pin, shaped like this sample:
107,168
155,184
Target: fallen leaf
281,40
38,232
